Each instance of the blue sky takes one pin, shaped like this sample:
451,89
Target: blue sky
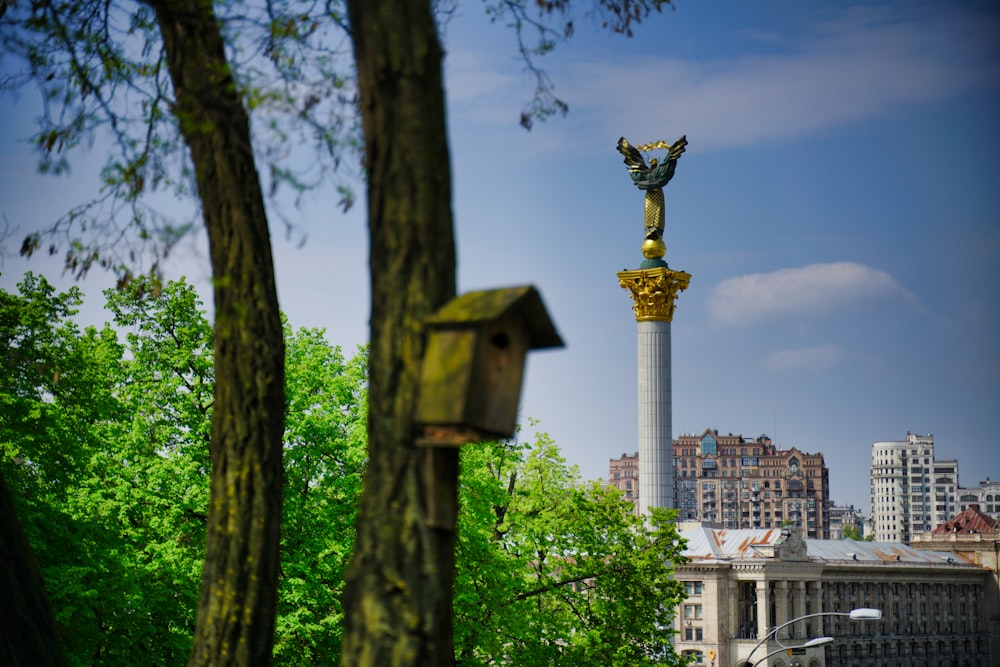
838,208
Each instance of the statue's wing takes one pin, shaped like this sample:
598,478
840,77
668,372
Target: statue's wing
677,148
633,158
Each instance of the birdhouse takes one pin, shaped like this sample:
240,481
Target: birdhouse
474,363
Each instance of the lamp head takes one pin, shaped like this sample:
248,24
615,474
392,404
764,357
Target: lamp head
818,641
865,614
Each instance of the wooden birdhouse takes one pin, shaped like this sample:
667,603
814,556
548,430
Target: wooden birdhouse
474,363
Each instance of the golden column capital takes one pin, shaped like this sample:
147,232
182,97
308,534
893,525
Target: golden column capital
654,291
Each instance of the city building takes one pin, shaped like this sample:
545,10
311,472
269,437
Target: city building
974,537
912,492
741,584
844,517
728,481
986,497
623,474
734,482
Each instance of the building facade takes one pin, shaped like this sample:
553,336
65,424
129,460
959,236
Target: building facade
986,497
908,487
912,492
623,474
842,518
972,536
728,481
740,584
734,482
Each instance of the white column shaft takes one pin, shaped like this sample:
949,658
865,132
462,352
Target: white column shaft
656,479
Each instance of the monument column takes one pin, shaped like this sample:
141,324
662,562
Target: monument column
653,287
653,292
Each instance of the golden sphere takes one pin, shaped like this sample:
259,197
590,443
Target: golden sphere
654,248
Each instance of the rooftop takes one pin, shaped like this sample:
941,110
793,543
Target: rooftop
969,522
706,545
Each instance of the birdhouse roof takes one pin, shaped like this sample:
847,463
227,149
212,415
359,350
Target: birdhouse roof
474,308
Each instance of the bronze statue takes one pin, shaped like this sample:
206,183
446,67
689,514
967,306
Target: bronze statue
652,178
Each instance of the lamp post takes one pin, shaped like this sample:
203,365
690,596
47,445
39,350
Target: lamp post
815,641
861,614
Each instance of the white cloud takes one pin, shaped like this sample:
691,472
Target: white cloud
811,290
811,359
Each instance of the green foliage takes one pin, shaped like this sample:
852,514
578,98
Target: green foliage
104,438
852,533
112,488
106,447
554,570
39,345
325,450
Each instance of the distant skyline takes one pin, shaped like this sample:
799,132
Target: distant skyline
837,208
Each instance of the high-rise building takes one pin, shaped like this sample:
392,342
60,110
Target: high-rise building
729,481
736,482
911,491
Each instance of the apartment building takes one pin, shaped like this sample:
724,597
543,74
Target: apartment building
623,474
908,486
729,481
734,482
986,498
912,492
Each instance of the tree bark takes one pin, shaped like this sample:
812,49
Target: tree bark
236,614
398,593
28,636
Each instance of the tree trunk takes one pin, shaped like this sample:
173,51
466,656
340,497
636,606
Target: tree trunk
28,635
239,586
398,593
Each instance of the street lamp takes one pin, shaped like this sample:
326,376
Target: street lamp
861,614
815,641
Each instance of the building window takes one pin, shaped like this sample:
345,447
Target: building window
693,634
692,612
694,657
693,587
